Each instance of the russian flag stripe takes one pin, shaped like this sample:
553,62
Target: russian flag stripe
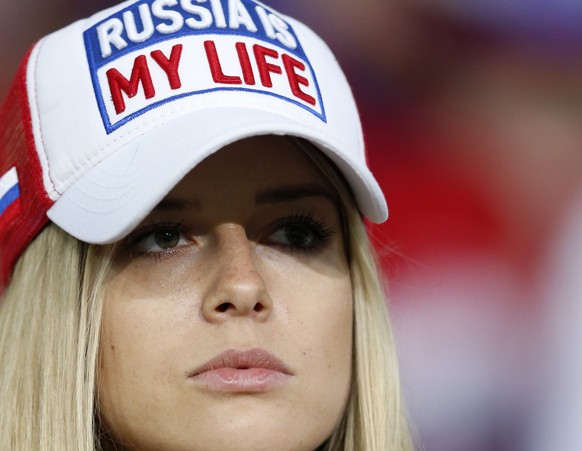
9,189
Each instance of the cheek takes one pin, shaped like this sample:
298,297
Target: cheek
322,311
326,330
135,358
319,315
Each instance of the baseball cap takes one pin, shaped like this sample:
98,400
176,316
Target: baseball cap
107,115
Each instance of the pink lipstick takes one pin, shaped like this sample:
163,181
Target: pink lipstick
250,371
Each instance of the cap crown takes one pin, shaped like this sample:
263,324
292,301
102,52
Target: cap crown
100,107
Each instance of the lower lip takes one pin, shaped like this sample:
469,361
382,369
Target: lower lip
232,380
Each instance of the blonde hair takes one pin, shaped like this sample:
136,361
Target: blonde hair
49,339
376,418
50,317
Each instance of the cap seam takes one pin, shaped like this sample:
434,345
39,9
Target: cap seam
38,117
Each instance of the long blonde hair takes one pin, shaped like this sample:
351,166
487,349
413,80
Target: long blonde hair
49,339
50,317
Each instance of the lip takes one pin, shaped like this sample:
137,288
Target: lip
238,371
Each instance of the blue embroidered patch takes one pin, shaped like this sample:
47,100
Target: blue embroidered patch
140,57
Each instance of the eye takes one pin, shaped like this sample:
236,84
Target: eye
294,235
301,232
158,240
162,240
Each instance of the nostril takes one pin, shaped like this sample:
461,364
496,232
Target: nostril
222,308
236,309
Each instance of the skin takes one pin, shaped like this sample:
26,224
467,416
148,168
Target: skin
242,270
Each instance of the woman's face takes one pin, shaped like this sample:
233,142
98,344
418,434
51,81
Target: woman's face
227,321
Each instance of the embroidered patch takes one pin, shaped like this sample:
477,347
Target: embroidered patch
158,51
9,190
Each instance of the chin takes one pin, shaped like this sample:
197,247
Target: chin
248,433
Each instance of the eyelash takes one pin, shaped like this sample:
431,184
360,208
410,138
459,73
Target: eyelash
320,230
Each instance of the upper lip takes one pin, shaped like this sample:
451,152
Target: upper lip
239,359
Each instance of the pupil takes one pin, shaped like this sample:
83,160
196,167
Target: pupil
298,235
167,239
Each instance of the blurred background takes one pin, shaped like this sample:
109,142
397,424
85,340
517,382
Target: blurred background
473,118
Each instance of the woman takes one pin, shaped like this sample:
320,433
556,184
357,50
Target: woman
184,263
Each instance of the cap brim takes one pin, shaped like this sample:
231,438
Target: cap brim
111,199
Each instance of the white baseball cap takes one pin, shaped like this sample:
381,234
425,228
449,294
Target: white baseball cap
107,115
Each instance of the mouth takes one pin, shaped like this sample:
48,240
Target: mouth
249,371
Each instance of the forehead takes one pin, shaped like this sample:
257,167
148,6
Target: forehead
251,165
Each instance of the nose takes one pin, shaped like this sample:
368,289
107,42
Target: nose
238,288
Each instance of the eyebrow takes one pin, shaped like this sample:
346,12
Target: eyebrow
292,193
